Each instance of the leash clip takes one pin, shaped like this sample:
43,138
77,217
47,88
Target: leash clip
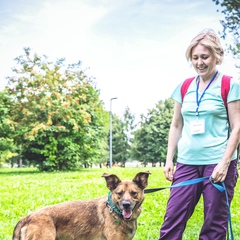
109,207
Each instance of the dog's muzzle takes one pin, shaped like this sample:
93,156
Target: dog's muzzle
127,209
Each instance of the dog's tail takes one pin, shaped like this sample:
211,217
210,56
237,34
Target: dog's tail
17,229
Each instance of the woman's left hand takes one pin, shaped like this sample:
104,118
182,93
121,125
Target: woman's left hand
220,172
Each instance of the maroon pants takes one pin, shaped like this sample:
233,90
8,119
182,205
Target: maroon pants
183,200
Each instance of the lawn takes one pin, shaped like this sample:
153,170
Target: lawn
25,190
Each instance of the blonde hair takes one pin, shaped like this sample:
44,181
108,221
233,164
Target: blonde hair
210,40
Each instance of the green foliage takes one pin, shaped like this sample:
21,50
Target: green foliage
231,24
7,146
58,118
122,137
129,124
231,10
120,144
25,190
150,140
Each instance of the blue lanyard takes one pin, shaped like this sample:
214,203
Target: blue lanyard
198,101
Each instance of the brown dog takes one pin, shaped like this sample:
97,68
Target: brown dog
105,218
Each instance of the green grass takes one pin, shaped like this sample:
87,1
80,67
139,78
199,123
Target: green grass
25,190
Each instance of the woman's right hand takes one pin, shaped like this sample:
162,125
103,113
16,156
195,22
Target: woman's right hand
169,170
175,134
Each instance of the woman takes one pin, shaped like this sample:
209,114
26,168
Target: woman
199,130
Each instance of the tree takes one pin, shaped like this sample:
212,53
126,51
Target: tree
150,140
7,146
57,115
120,143
231,24
139,147
129,123
128,127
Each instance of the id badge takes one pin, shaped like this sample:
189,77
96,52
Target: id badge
197,126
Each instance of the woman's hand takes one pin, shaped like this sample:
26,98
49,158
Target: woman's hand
221,169
220,172
175,133
168,170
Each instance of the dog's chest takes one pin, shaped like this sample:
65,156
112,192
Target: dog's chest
125,230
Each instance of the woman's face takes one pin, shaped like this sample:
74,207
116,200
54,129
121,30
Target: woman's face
204,62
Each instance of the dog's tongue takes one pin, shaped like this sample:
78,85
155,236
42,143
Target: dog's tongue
127,213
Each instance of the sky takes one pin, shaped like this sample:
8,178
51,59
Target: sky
135,49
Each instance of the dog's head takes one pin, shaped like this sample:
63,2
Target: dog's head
127,195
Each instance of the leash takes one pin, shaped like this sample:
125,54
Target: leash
181,184
221,188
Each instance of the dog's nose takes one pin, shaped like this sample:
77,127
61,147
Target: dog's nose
126,204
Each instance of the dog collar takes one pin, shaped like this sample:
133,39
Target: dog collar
111,206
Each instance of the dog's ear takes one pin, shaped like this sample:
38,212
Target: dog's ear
141,179
112,181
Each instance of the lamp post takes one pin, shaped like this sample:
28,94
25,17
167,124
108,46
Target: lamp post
110,139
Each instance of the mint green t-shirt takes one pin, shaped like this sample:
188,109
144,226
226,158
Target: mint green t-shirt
208,147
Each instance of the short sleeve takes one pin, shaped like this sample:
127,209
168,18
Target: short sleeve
176,95
234,92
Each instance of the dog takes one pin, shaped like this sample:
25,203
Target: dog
113,217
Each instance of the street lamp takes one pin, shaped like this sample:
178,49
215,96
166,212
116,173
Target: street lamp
110,140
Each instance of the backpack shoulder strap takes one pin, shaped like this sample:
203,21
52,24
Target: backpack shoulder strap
185,86
225,87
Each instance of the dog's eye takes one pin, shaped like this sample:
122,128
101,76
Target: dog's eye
119,194
134,194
